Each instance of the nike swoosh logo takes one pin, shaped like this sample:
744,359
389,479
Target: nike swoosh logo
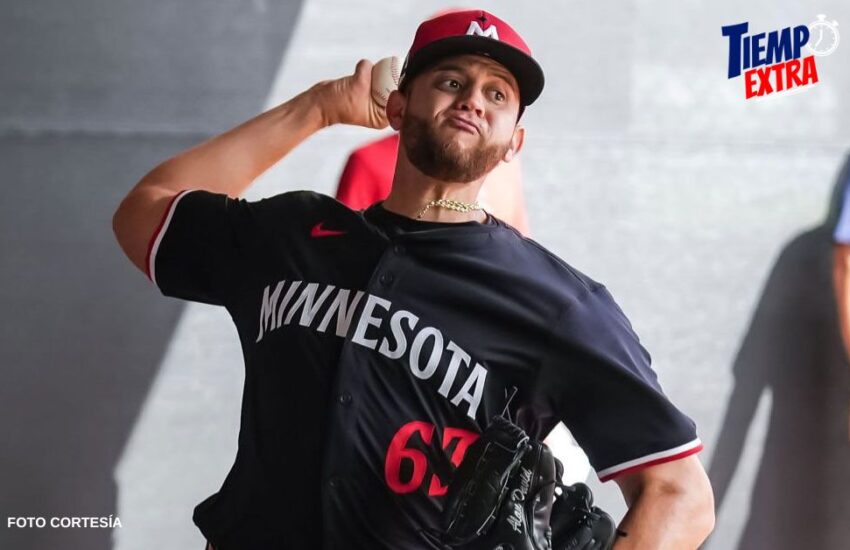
318,231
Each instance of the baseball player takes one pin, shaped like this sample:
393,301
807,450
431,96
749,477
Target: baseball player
375,339
841,267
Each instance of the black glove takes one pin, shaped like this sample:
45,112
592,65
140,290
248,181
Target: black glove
502,493
503,497
576,523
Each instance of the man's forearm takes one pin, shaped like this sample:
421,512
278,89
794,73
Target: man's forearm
229,162
841,280
226,164
666,519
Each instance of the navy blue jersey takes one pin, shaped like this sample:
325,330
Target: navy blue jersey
373,341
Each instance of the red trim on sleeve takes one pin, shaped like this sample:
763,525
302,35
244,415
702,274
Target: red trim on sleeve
156,234
655,462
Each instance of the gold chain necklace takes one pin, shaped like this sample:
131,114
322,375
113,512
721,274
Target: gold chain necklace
451,205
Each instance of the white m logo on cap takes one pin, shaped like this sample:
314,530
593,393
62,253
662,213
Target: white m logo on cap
475,28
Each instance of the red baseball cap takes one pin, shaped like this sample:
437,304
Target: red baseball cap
475,32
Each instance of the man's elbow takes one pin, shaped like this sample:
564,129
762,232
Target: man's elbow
132,224
123,235
683,491
703,512
118,224
696,500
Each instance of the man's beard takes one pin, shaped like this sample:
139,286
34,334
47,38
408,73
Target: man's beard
445,159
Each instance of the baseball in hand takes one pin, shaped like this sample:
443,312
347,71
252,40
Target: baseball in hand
385,75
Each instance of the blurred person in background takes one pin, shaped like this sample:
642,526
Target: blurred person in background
841,267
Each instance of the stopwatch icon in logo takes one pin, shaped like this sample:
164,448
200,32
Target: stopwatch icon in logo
823,36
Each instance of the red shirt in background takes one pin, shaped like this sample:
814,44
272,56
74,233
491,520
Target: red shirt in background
368,174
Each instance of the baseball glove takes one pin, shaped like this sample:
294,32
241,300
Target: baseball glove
503,497
576,523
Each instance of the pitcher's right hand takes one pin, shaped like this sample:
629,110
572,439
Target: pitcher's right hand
348,100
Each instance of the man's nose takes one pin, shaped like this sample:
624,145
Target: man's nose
472,99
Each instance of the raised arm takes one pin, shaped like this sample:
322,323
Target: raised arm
228,163
670,506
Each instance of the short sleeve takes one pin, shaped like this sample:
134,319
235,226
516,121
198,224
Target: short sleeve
194,252
598,379
841,234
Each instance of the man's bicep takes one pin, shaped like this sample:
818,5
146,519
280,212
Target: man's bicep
673,476
605,391
198,245
209,246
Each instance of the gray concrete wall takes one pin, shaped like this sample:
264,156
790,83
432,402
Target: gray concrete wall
706,215
93,94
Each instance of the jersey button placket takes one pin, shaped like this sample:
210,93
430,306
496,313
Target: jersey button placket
334,482
386,278
340,429
344,398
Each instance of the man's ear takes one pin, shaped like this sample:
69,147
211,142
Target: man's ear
395,109
516,143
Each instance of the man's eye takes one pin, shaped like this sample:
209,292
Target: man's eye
451,83
498,95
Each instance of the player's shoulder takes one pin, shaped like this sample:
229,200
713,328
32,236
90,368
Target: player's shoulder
299,197
305,203
539,263
295,212
295,201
